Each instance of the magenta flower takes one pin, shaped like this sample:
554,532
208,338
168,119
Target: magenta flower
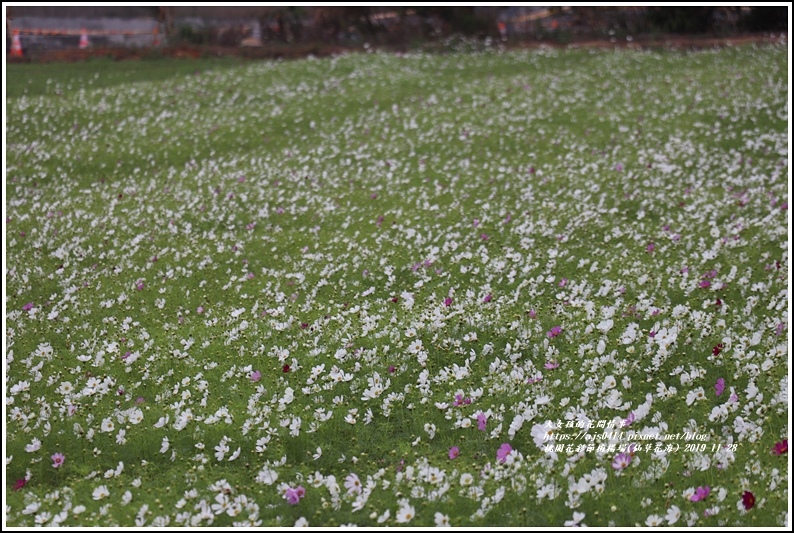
700,494
650,248
256,375
629,419
20,484
532,313
57,460
488,299
28,306
293,496
481,421
454,452
448,301
748,500
704,284
503,451
621,461
551,365
139,285
556,330
780,447
484,236
563,282
719,387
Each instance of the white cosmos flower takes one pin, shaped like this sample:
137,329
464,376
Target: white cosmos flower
135,416
673,514
107,425
100,492
577,518
654,521
405,514
33,446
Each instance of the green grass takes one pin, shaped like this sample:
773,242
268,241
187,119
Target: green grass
215,218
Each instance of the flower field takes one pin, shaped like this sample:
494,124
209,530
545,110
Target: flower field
525,288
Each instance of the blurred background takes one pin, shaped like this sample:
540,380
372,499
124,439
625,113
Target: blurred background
34,30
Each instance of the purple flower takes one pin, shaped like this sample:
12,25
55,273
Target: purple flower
719,387
448,301
650,248
621,461
503,451
57,460
700,494
28,306
556,330
481,421
139,285
293,496
476,222
629,419
488,299
454,452
256,375
533,313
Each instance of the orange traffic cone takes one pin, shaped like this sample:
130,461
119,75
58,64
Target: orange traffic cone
83,40
16,45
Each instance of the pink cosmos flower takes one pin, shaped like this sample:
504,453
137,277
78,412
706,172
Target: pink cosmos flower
719,387
28,306
629,419
256,375
57,460
621,461
533,313
488,299
20,484
503,451
482,420
551,365
700,494
139,285
556,330
454,452
293,496
448,301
